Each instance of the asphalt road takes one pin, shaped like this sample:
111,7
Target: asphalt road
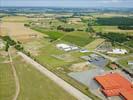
69,88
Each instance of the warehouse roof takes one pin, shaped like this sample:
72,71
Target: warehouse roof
127,95
113,84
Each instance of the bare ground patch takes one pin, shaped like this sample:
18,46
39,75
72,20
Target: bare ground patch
79,67
18,31
65,57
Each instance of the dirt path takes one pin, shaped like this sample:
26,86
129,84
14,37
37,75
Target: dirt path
15,77
69,88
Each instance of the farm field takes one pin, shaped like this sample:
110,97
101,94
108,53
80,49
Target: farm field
18,31
15,19
14,27
110,14
94,44
52,34
77,38
111,29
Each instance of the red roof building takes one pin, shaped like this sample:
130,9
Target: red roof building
127,95
113,84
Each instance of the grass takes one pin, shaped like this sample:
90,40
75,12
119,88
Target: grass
52,34
111,29
94,44
45,56
124,61
1,59
35,86
78,38
80,41
7,83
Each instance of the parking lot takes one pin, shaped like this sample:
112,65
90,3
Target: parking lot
96,60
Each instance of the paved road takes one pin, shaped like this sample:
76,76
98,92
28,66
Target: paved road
15,77
107,57
69,88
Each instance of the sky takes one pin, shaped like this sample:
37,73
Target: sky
68,3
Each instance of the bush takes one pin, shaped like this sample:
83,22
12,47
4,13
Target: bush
125,27
27,25
9,40
65,29
19,47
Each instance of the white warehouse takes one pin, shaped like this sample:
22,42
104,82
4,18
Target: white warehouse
66,47
118,51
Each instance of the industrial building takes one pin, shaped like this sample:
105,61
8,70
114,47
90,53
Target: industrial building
113,84
66,47
118,51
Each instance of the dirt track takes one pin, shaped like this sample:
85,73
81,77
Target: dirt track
15,78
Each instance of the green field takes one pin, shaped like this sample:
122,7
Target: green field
94,44
7,83
35,86
124,61
78,38
54,35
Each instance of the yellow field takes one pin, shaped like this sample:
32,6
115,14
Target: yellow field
3,30
18,31
94,44
15,19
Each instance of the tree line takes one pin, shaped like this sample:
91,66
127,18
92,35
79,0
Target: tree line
65,29
124,27
10,42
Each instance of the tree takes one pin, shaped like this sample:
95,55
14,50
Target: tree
27,25
90,29
7,46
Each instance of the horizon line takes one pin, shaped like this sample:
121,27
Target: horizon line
64,7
